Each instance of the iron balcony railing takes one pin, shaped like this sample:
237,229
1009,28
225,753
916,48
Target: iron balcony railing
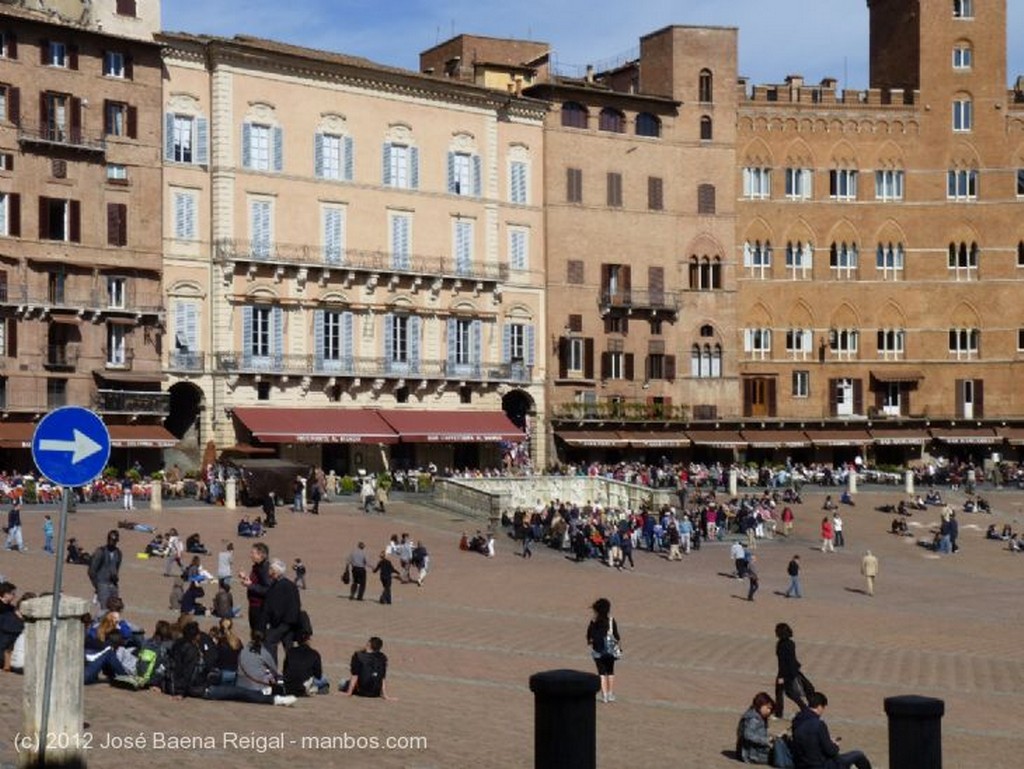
60,136
299,255
93,300
132,402
61,356
186,361
640,299
313,365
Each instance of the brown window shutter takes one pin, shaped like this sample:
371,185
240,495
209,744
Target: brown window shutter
44,110
14,215
959,398
44,51
905,401
606,365
748,397
606,278
979,398
123,232
772,397
75,235
627,278
12,46
72,57
44,218
129,68
629,366
113,224
858,396
14,105
106,117
76,118
576,324
563,357
588,358
833,397
133,122
670,368
12,337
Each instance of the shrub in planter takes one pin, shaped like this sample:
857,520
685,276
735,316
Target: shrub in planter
346,485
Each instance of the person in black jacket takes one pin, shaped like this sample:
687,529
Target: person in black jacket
281,608
789,681
387,570
185,676
813,747
303,669
256,582
105,568
601,628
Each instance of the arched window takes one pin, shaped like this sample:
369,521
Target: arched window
889,260
705,87
757,258
707,330
574,115
611,120
963,260
705,129
648,125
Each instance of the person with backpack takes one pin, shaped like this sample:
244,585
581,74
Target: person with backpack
185,674
369,669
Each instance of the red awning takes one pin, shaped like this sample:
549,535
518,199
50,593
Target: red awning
839,437
717,439
16,435
271,425
452,426
776,439
140,436
591,438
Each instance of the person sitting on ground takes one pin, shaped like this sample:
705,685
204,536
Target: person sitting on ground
829,504
75,554
369,668
933,498
156,547
244,528
846,498
194,544
478,544
813,747
1007,531
898,527
970,506
257,527
984,506
190,599
229,647
256,679
224,602
303,669
464,542
991,533
753,744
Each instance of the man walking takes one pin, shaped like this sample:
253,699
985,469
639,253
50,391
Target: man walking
813,747
357,564
793,570
869,569
105,569
15,540
739,558
755,583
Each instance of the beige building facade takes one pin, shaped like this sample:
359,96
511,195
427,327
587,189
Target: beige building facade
343,238
80,217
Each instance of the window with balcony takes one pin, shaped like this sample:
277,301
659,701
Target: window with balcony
462,245
757,183
117,224
116,64
333,157
842,184
706,361
261,227
401,166
962,184
799,260
10,214
518,343
184,211
648,125
333,340
465,337
616,282
843,342
889,185
963,56
612,120
962,114
62,117
574,115
464,174
60,219
843,260
259,335
185,353
963,261
263,336
889,261
799,343
262,147
757,259
117,292
964,343
757,343
186,139
401,342
799,183
518,182
891,343
333,227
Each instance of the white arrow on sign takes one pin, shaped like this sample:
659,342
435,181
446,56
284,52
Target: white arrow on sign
81,446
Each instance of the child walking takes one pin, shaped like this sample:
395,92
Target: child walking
300,573
48,534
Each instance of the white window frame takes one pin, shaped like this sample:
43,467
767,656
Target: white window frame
400,338
116,118
184,204
963,9
261,342
117,172
963,115
889,184
757,183
964,343
575,355
963,262
801,384
757,343
616,364
333,161
332,336
844,343
757,258
117,292
799,183
963,56
400,158
261,147
117,345
962,184
891,343
799,343
517,342
5,218
845,264
115,64
462,174
889,260
799,260
57,55
183,142
843,183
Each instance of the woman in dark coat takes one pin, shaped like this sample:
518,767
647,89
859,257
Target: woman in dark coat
386,569
601,628
789,681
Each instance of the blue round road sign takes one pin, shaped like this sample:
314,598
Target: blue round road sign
71,446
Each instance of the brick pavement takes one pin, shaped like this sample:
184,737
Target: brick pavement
463,646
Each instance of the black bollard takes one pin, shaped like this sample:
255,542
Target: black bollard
915,731
565,719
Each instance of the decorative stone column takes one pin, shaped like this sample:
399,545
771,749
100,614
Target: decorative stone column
734,483
851,481
230,491
66,694
908,482
156,495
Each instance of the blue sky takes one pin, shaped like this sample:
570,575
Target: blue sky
394,32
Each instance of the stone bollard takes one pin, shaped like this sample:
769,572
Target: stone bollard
851,482
66,694
332,484
734,485
565,719
156,496
908,482
230,487
915,731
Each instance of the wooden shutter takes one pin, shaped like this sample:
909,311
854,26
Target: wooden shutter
588,358
113,224
106,117
75,217
606,365
959,398
168,136
772,396
655,200
76,118
670,368
133,123
576,324
606,278
14,215
129,67
14,105
563,357
833,397
44,218
72,57
748,397
904,401
44,52
12,337
629,366
627,278
12,45
858,396
979,398
656,285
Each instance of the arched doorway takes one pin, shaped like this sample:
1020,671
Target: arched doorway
521,410
185,412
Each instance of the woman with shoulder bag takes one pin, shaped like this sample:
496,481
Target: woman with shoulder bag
603,638
789,681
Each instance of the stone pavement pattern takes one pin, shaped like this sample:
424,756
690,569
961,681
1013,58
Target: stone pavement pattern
463,646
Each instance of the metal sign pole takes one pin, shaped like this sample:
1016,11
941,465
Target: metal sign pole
51,648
